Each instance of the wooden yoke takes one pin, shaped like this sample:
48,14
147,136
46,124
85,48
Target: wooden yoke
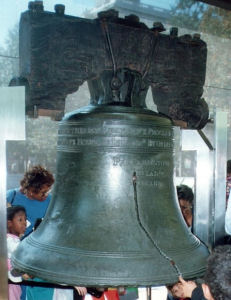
59,52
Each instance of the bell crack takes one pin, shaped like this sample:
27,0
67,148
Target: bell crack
164,255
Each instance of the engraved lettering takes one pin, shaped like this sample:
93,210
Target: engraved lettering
151,173
116,131
117,142
86,142
102,193
159,144
118,161
154,183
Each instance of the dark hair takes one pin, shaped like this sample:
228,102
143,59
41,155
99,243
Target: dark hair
185,192
37,223
218,273
170,286
35,178
13,210
229,166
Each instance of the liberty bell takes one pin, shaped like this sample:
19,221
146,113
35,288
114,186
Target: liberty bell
114,218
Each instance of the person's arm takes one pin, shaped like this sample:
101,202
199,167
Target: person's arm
191,290
12,244
186,287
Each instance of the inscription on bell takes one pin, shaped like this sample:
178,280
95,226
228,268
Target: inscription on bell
120,160
113,142
154,183
116,130
159,144
76,138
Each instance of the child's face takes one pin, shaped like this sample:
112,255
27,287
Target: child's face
17,226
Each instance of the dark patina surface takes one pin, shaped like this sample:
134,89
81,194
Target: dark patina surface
119,57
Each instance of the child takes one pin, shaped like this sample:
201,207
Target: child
16,226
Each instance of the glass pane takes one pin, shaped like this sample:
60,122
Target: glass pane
212,24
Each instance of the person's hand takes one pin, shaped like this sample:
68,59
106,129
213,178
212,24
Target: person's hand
81,290
26,276
121,290
186,287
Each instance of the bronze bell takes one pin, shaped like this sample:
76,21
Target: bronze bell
114,219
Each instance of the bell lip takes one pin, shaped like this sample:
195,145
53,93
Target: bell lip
64,278
92,282
36,266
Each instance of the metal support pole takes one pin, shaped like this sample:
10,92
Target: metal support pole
12,124
149,293
3,251
220,163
